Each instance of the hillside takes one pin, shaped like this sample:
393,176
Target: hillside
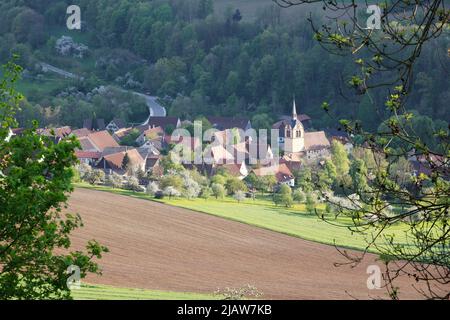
201,59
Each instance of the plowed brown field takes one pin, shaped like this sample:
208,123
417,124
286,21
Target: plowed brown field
155,246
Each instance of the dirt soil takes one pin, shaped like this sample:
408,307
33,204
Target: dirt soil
156,246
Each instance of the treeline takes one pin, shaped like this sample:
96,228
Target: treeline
204,62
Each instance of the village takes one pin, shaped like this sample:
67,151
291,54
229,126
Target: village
117,149
141,157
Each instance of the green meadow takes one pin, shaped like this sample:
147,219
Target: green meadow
102,292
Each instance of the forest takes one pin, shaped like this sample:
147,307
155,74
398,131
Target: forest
200,61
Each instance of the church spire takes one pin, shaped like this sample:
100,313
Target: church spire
294,110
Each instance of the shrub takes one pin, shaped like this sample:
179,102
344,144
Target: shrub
159,195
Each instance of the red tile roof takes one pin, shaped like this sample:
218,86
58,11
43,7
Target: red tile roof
281,172
81,132
115,160
102,140
57,132
316,140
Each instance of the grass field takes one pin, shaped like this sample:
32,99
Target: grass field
264,214
100,292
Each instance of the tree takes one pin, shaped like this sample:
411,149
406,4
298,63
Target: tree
234,184
191,188
153,188
95,176
220,179
252,180
132,184
237,17
171,192
84,171
340,159
126,164
299,195
311,203
114,180
239,196
206,193
35,181
304,179
171,180
218,190
284,196
358,172
205,8
401,172
270,182
22,31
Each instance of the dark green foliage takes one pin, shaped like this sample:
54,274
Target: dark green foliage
35,181
206,63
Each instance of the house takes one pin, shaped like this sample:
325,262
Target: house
57,134
317,146
93,146
88,157
223,123
342,137
167,123
204,168
87,144
218,155
115,125
122,133
102,140
281,172
150,134
239,171
114,162
83,132
97,141
153,165
422,164
94,124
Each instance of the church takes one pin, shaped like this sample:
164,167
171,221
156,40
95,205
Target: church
299,145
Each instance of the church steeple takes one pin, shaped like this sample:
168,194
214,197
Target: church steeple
294,110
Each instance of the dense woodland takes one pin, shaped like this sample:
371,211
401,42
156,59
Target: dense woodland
201,62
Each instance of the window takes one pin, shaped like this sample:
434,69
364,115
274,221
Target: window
288,133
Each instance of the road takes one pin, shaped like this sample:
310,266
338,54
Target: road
155,109
47,67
